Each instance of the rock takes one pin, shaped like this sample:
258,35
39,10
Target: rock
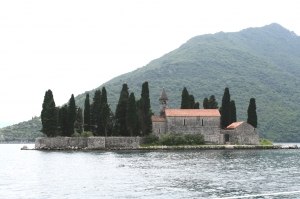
229,147
24,148
295,146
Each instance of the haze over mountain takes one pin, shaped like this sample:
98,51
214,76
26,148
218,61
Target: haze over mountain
263,63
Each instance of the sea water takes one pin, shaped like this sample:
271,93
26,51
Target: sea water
148,174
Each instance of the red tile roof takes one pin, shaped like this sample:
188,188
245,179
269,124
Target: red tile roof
158,119
192,113
234,125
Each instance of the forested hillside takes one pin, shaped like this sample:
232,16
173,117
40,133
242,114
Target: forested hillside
263,63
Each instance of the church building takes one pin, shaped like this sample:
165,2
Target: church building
203,121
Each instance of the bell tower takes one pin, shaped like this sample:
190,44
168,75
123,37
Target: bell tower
163,103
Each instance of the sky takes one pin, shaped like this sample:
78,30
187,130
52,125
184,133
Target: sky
72,46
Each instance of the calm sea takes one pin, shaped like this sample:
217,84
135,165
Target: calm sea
148,174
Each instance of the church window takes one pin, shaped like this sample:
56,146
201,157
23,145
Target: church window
183,122
202,122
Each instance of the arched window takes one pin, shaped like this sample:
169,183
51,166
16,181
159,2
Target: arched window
202,122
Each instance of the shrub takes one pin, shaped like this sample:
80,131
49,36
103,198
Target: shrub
87,134
151,139
75,135
265,142
194,139
173,139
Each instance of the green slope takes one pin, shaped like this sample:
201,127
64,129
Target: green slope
263,63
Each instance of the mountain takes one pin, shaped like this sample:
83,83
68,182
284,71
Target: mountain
263,63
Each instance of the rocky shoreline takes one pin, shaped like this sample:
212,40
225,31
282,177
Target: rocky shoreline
200,147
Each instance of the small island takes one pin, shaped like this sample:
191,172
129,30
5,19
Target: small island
134,126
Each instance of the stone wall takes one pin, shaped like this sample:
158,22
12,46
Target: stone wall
91,143
159,128
209,127
243,134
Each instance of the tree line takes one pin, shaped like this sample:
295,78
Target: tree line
227,110
132,117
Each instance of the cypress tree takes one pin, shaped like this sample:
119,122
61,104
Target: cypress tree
103,96
185,99
121,111
144,110
197,105
105,114
252,116
63,120
232,112
192,101
87,113
71,116
212,103
205,103
131,117
49,115
225,114
95,113
79,121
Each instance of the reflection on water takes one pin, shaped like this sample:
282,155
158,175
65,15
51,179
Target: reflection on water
147,174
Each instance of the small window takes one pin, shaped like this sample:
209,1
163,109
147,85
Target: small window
202,122
226,137
183,122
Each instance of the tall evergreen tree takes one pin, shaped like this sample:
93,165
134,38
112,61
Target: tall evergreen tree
185,99
71,116
144,110
232,112
121,111
196,105
192,101
79,121
87,113
252,116
105,114
95,113
103,96
205,103
131,117
225,114
49,115
63,120
212,103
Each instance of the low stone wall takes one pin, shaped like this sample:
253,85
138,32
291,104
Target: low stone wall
91,143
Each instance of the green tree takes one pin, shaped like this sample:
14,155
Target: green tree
212,103
232,112
105,114
197,105
144,110
87,113
192,101
205,103
225,114
49,115
252,116
79,121
95,113
121,111
71,116
63,120
131,116
185,99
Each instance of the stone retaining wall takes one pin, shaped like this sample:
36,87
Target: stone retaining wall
91,143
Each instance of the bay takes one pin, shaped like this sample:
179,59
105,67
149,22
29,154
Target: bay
147,174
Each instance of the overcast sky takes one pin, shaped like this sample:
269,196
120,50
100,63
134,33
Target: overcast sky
74,46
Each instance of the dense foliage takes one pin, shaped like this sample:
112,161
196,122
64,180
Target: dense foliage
252,116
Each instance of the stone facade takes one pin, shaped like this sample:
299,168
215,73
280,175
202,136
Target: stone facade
91,143
203,121
240,133
209,127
